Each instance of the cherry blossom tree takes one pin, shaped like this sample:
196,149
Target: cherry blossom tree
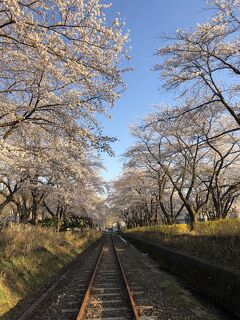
133,196
58,64
204,64
190,165
59,69
191,151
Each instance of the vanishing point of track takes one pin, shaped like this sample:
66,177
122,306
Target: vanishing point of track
108,295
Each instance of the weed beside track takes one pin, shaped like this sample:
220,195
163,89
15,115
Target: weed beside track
30,256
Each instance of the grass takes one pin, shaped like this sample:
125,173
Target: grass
30,256
217,242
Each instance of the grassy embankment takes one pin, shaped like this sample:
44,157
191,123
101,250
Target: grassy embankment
217,242
30,256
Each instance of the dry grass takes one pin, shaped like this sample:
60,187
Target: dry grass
29,256
215,241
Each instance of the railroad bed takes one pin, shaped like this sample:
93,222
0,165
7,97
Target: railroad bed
115,281
108,294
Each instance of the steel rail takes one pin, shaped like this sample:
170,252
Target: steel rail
81,312
133,304
87,294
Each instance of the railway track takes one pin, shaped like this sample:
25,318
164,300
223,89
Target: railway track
108,295
114,281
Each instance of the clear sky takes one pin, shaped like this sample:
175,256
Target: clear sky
146,19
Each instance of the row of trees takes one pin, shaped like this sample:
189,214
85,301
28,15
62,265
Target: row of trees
58,70
185,160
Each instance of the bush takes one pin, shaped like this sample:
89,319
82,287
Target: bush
228,227
165,229
215,241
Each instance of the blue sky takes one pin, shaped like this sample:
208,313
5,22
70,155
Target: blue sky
146,19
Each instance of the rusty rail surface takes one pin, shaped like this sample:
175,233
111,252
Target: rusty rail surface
87,296
132,302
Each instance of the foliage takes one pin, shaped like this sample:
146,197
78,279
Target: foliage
175,229
177,171
216,228
183,164
30,255
75,221
214,241
59,70
204,64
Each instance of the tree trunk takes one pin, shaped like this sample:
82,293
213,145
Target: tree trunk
36,212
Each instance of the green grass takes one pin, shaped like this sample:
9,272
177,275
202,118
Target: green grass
217,242
30,256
